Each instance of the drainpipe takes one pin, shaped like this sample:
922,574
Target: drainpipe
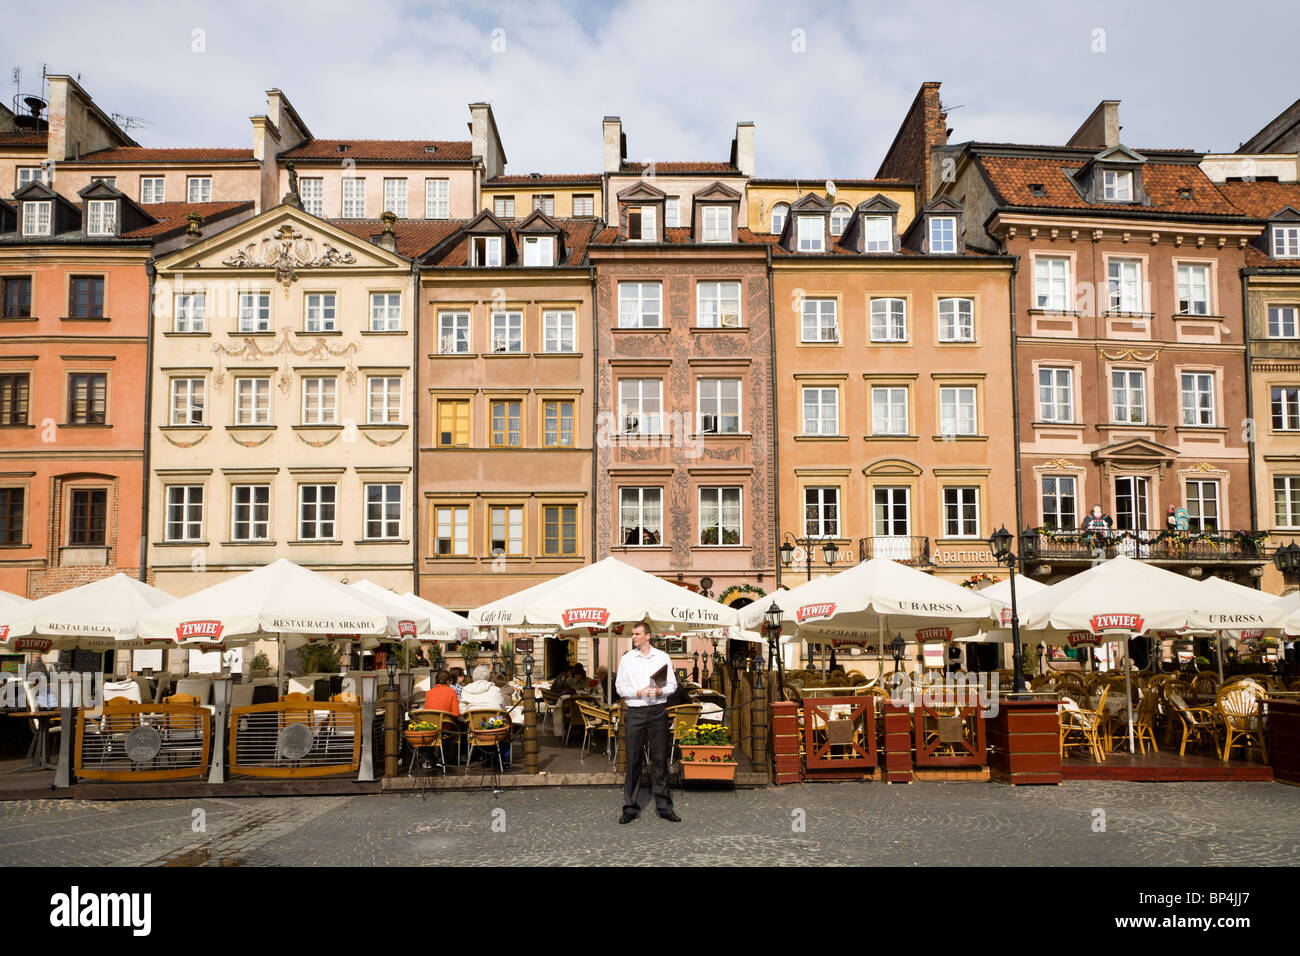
416,497
595,405
776,440
150,270
1250,401
1015,398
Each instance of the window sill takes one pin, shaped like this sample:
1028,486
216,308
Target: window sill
85,318
721,547
370,426
1207,429
969,343
718,328
1050,424
882,342
821,437
642,548
237,334
961,437
320,541
891,437
1121,314
16,547
313,335
505,355
248,544
635,330
317,428
821,345
19,318
251,428
185,428
1195,317
384,332
382,541
557,355
453,355
17,425
1058,313
86,425
187,335
724,436
198,543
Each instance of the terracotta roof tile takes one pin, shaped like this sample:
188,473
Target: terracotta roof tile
382,150
1262,199
558,179
1257,258
577,234
21,138
689,167
415,237
814,183
126,155
680,236
172,216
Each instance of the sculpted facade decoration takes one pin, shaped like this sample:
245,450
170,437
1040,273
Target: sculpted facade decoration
286,252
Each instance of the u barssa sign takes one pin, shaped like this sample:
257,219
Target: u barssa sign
931,607
1236,620
1116,622
585,617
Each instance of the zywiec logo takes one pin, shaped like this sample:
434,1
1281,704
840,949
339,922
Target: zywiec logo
75,909
934,634
589,616
810,611
1081,639
1252,633
4,632
406,629
1116,622
197,630
1006,615
38,644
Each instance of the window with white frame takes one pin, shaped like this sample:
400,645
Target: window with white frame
255,312
889,410
198,189
717,305
354,197
1286,242
840,216
956,320
821,410
719,406
891,517
559,330
640,517
250,512
1283,322
487,251
557,423
1203,505
31,174
957,410
106,180
322,312
888,320
720,517
311,190
1051,283
812,237
1286,501
506,529
1060,508
961,512
395,197
384,406
187,401
1125,279
383,511
584,206
1128,389
385,312
539,250
640,305
451,530
1286,408
503,207
1116,186
821,512
1193,289
640,406
820,320
437,199
672,212
320,401
253,400
184,512
101,217
152,189
943,234
1056,395
453,333
37,217
717,223
545,204
779,213
1198,398
877,234
316,512
191,312
507,331
641,226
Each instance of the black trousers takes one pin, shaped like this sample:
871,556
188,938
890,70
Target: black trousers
642,723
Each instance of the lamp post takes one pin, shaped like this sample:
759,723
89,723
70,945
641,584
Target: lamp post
829,551
773,618
1000,544
898,647
529,704
390,719
1287,560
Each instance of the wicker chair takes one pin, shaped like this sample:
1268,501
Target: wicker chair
1238,706
595,720
480,739
1081,728
1197,722
1205,685
1144,726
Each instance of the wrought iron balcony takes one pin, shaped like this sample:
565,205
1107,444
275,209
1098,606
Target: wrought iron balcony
1205,547
905,549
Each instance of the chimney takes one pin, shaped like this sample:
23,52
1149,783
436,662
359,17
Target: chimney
388,240
485,140
615,144
924,129
742,148
1101,129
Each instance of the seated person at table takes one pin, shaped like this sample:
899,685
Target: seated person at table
507,692
562,683
441,697
457,679
481,693
602,678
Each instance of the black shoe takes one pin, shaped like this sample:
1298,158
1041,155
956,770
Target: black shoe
670,816
627,817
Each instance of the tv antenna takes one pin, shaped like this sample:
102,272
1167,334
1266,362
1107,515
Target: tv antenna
128,123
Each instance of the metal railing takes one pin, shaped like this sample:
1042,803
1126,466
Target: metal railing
143,742
295,739
905,549
1147,545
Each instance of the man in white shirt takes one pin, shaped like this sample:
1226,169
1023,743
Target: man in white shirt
647,718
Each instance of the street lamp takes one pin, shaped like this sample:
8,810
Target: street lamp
528,671
1287,559
829,551
392,670
1000,544
773,618
897,647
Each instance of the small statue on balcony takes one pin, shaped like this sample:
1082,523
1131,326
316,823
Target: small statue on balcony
1097,520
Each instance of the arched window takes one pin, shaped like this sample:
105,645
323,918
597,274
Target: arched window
840,219
779,212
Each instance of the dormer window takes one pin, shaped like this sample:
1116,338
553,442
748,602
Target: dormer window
840,219
101,217
486,251
36,217
539,250
1116,186
198,189
642,224
877,234
717,223
1286,241
812,236
943,234
672,213
779,212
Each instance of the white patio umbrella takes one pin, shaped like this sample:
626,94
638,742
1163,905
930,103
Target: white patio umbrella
99,616
444,625
1291,604
1249,596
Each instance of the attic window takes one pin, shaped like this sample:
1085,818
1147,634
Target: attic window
1116,186
1037,189
486,251
1185,192
36,218
641,224
342,147
101,217
430,150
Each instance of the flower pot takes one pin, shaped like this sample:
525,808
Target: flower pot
421,738
701,762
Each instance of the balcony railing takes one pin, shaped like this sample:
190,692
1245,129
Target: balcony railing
905,549
1148,545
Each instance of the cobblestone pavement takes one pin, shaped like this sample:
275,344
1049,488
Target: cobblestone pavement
1186,824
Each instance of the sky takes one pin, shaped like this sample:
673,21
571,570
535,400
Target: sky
826,83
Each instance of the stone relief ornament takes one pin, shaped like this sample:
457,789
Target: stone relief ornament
317,350
287,251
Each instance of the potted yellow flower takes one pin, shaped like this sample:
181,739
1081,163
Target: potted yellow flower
706,753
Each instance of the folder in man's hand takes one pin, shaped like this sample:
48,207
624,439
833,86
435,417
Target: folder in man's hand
660,677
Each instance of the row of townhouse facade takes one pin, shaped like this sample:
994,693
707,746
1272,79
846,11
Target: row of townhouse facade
394,360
